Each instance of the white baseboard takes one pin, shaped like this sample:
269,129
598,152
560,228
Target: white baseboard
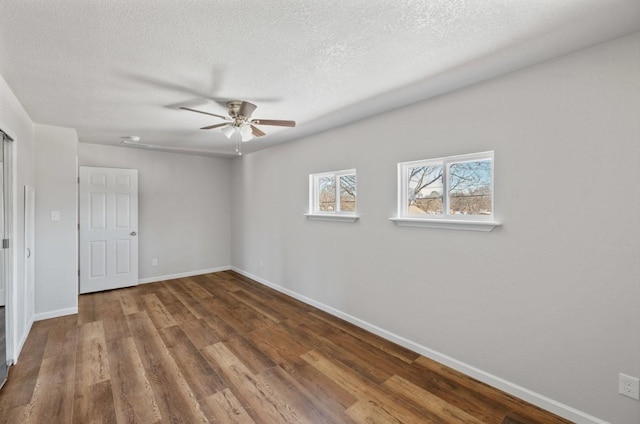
523,393
55,314
70,311
183,274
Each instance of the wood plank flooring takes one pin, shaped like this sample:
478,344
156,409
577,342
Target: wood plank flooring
221,348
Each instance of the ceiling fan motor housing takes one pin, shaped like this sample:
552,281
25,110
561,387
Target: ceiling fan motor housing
234,107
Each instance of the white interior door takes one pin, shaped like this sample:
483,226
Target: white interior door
108,228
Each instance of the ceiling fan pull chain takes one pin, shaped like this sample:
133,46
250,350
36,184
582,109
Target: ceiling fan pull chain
238,145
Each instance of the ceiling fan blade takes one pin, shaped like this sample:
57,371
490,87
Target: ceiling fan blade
257,131
246,109
276,122
206,113
210,127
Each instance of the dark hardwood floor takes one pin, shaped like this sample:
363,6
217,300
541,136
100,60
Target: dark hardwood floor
221,348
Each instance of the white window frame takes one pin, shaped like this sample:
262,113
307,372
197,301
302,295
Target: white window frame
314,198
445,220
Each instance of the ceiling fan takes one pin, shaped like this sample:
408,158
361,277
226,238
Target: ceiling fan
240,121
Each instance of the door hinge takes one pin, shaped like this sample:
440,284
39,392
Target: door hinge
5,243
78,273
78,180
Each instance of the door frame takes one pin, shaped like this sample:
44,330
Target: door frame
11,308
28,298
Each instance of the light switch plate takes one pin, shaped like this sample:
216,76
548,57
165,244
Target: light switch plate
55,215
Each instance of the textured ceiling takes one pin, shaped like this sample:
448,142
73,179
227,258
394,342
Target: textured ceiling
123,67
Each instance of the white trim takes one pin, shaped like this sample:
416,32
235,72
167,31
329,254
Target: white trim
402,210
14,250
523,393
22,341
70,311
29,319
183,274
446,224
314,191
332,217
55,314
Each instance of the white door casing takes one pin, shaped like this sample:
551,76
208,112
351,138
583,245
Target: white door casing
29,251
3,235
108,228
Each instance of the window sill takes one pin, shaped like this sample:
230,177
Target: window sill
332,217
447,224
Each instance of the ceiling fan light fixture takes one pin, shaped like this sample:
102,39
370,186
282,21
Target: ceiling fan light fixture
228,131
245,132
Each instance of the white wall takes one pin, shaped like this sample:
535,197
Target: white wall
549,301
15,121
56,258
184,212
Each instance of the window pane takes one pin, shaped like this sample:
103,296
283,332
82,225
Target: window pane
326,194
470,188
348,192
425,190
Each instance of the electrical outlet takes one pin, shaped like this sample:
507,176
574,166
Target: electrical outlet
154,262
629,386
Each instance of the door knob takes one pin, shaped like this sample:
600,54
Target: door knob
133,233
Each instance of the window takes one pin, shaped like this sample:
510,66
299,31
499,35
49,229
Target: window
455,191
333,195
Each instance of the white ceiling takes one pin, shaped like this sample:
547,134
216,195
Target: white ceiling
123,67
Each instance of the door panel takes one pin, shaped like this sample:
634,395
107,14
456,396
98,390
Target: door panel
123,257
108,228
98,263
123,208
98,211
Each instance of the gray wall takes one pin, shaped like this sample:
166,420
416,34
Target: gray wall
15,121
56,257
183,204
549,301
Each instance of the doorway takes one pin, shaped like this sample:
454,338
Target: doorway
108,228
